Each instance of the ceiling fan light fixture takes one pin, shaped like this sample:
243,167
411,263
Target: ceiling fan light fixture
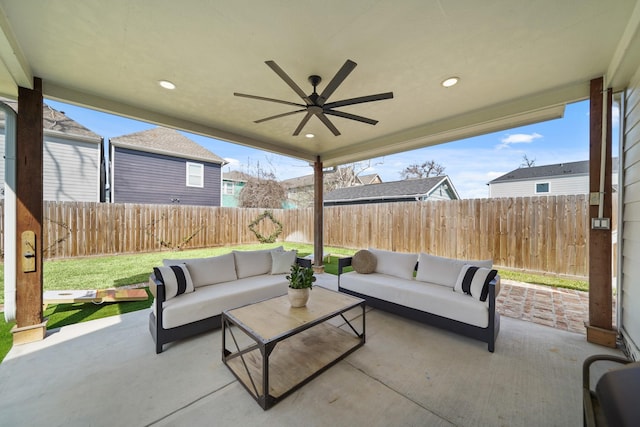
309,135
451,81
166,84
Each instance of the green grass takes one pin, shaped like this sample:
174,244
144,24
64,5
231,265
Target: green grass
120,270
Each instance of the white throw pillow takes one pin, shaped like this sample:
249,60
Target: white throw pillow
253,263
474,281
281,262
443,271
212,270
395,263
176,279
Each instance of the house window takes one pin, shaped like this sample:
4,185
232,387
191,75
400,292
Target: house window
227,188
195,175
542,187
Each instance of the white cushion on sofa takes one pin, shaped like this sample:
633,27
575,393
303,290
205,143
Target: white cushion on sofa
176,279
168,262
444,271
281,262
477,279
213,300
395,264
212,270
427,297
253,263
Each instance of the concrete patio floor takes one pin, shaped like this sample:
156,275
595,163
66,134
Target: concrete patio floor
106,373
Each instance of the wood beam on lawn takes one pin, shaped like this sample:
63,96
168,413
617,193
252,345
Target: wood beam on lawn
600,329
29,148
318,216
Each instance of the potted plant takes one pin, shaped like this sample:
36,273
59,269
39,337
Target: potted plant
300,282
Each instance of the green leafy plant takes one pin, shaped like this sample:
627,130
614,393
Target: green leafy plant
301,277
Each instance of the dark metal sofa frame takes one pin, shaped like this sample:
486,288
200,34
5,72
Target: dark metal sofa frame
488,334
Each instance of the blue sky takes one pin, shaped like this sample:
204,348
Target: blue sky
470,163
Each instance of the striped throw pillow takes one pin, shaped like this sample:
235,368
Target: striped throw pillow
176,279
475,281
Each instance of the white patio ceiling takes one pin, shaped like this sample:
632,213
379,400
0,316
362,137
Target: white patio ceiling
518,61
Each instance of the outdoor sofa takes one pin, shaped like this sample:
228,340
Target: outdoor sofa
457,295
191,294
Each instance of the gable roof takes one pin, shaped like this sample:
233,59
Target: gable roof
161,140
369,179
409,188
307,180
55,121
236,176
549,171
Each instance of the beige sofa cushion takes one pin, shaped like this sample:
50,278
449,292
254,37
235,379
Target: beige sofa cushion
253,263
444,271
212,270
281,262
395,264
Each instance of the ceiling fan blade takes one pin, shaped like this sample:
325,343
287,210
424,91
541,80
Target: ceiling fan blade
262,98
360,100
280,115
342,74
350,116
284,76
324,119
304,121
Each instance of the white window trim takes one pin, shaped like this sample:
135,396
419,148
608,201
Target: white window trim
201,167
542,192
228,185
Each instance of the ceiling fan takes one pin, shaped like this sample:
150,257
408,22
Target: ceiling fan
317,105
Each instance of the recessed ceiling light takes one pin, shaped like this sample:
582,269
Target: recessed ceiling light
451,81
310,135
167,84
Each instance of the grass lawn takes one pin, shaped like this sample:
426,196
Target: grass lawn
120,270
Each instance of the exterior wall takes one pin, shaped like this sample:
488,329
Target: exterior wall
140,177
440,193
527,188
630,295
71,169
231,200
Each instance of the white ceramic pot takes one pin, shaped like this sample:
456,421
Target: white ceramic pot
298,297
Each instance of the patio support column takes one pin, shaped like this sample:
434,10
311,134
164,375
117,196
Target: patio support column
30,325
599,328
318,217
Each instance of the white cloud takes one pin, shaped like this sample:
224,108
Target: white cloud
231,162
518,138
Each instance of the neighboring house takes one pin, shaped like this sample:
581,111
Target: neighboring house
410,190
300,189
163,166
548,180
73,163
232,184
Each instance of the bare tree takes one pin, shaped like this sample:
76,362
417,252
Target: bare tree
527,163
424,170
262,190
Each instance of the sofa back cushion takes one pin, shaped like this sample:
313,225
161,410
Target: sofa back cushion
212,270
474,281
444,271
176,279
395,263
253,263
281,261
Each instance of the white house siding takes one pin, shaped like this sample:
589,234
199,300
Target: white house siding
630,280
71,170
527,188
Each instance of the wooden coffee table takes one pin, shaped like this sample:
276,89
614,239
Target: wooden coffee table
279,348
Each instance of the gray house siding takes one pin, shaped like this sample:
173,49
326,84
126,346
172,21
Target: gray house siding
71,169
527,188
629,295
143,177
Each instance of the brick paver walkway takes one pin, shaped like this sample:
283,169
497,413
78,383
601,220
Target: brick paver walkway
559,308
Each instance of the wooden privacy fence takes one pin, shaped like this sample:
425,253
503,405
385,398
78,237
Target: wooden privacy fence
539,234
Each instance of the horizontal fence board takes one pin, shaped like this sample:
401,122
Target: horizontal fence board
534,234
